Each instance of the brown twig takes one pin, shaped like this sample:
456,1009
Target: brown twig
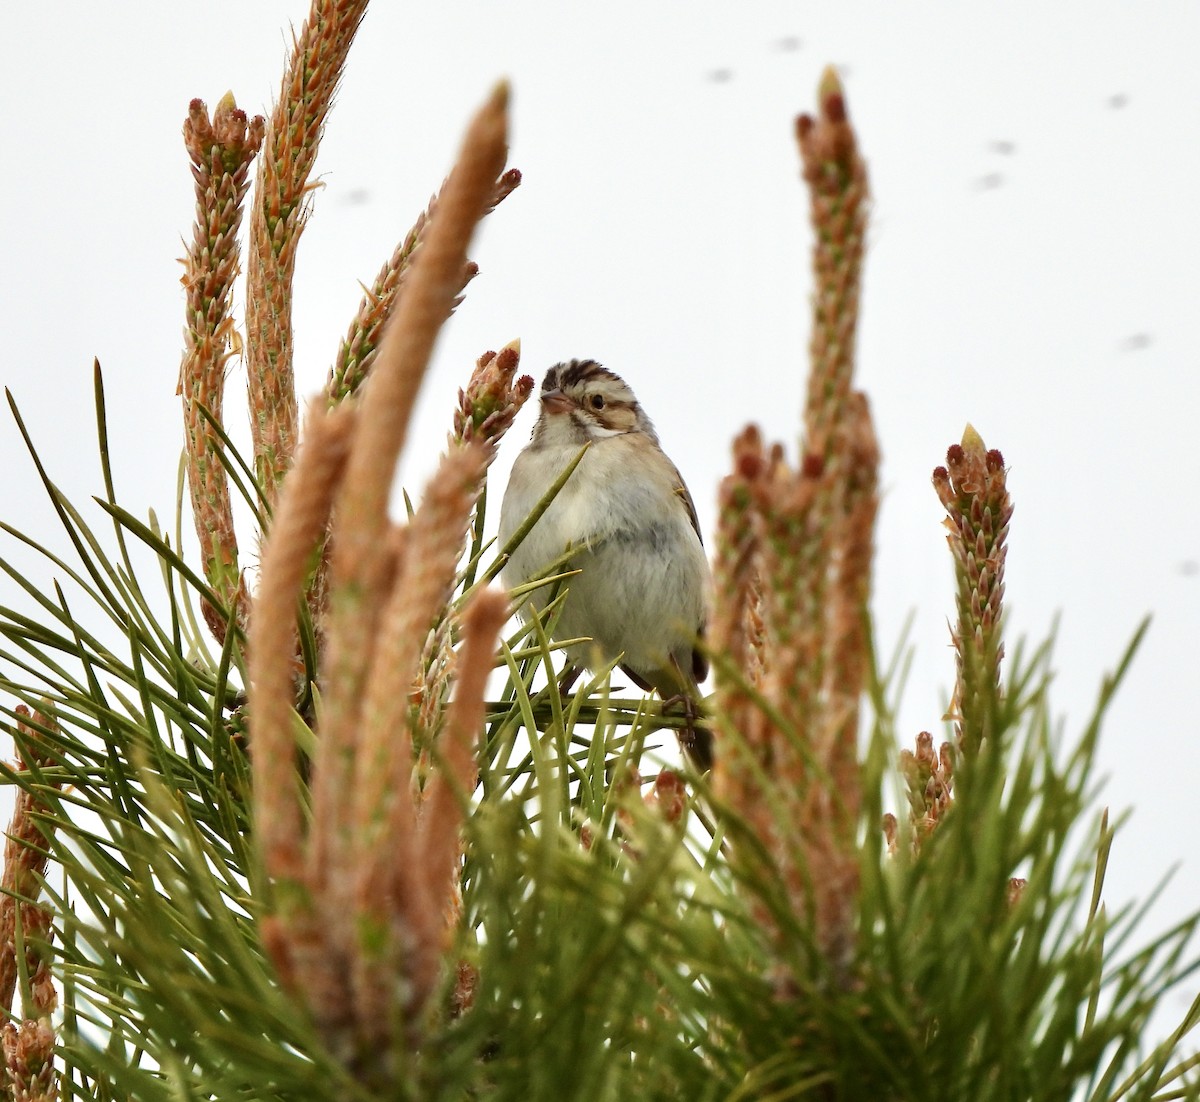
25,927
929,776
382,858
359,565
736,629
29,1060
356,354
973,488
849,597
277,220
358,924
301,520
487,407
792,584
221,152
837,181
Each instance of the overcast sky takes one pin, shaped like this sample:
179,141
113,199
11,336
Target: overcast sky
1033,267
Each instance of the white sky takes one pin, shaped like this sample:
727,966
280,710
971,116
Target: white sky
1034,261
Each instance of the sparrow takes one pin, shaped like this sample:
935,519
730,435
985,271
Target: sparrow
642,591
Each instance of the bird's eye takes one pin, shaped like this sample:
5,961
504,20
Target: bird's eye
597,401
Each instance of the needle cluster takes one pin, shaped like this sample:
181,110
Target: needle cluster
370,846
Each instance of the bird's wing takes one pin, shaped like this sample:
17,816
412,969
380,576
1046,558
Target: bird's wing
699,659
681,491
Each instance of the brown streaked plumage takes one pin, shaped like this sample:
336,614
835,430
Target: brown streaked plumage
642,592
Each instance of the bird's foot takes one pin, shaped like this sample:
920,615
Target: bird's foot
568,678
695,738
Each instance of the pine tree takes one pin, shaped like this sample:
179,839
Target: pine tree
281,842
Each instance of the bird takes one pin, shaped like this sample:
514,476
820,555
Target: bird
641,596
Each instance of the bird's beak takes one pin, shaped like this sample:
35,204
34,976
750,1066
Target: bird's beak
555,401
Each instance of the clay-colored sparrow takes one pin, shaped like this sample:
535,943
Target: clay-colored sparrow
643,588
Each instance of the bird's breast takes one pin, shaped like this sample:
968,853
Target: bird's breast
613,499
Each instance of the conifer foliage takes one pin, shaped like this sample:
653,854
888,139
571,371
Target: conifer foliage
286,839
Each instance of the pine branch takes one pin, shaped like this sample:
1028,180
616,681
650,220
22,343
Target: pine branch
373,879
277,219
221,152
